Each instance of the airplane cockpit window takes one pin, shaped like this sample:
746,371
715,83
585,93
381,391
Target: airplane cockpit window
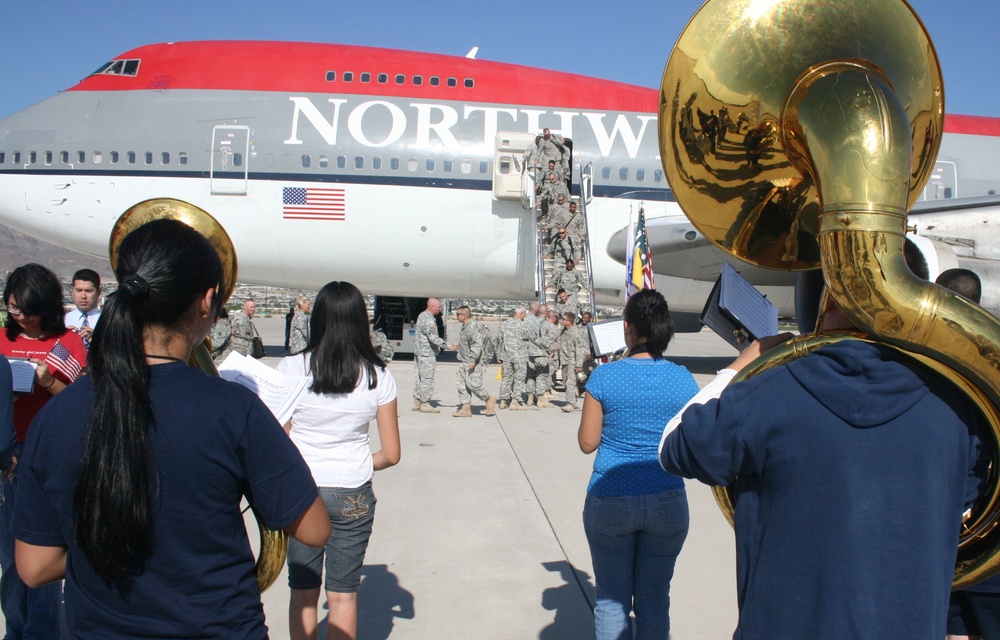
118,68
383,78
435,81
331,76
348,76
418,80
365,77
400,78
452,82
469,83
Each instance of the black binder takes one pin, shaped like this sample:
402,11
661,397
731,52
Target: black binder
737,311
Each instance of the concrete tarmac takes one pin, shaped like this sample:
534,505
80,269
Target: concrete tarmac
478,530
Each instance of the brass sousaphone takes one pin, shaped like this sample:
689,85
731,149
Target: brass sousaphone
828,117
273,544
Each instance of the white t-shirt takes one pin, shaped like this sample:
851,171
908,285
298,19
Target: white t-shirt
331,429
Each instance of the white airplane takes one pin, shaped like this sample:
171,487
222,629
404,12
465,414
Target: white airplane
401,172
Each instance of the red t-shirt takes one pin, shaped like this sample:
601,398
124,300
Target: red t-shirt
27,405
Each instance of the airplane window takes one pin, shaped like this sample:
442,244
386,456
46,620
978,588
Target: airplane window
623,173
130,156
435,81
606,173
182,157
359,162
430,164
411,164
449,166
114,157
165,157
400,78
32,157
452,82
658,175
237,159
16,157
394,164
484,167
81,157
3,157
640,175
469,83
306,160
148,157
324,162
48,157
365,77
383,78
348,76
947,192
98,156
466,166
377,162
341,162
331,76
115,68
418,80
131,67
505,165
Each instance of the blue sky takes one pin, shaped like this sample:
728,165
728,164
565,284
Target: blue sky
49,45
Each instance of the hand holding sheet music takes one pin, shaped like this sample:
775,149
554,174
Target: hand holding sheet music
737,311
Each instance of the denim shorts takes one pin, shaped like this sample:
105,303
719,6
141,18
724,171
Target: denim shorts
352,513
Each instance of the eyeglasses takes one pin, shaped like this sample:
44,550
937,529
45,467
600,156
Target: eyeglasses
14,310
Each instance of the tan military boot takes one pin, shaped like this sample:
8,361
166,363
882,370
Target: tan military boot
544,404
416,404
569,408
503,404
490,404
516,406
531,399
425,407
465,411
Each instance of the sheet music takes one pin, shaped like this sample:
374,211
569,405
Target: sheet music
607,336
740,299
279,392
23,372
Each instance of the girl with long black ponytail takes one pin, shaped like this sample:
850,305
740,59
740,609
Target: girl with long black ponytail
133,477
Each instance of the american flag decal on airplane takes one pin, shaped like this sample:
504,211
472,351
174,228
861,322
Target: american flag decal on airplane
313,203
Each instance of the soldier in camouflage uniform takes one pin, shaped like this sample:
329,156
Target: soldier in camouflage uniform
576,226
565,304
551,147
573,351
551,330
571,280
382,345
427,345
558,216
512,352
471,364
563,248
222,330
538,356
551,187
242,336
298,336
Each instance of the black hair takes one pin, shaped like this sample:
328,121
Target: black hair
915,259
164,268
648,314
88,275
37,292
340,341
963,282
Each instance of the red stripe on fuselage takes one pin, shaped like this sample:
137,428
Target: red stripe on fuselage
297,67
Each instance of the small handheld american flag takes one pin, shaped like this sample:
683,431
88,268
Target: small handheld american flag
60,359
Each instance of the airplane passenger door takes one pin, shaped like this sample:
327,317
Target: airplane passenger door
230,157
943,183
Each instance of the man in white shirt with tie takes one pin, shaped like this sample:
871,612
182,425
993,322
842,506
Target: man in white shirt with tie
86,294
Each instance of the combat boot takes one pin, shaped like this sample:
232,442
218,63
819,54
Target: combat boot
544,404
531,400
569,408
465,411
503,403
516,406
416,404
490,404
425,407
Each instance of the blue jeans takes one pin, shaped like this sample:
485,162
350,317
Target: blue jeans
634,543
29,613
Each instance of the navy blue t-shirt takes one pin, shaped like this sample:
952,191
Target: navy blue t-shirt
213,442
